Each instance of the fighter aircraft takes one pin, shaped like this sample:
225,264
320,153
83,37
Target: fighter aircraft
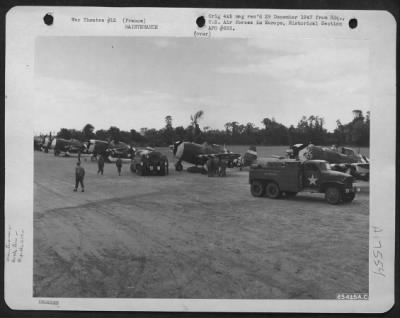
109,149
340,158
46,142
198,154
38,142
67,146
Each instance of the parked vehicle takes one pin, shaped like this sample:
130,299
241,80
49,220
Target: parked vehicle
149,162
287,177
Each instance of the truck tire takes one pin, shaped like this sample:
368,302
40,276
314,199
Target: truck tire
139,170
162,170
290,194
257,188
166,167
273,190
349,197
333,195
133,170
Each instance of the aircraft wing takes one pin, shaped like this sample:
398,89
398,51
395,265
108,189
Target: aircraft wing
228,156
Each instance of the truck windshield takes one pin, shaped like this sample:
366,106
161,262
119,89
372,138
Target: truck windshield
324,166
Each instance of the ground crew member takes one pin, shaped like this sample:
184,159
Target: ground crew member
119,165
100,163
79,176
212,166
222,167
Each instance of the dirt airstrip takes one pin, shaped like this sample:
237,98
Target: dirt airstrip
189,236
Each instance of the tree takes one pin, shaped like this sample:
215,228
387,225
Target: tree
180,133
135,136
249,128
267,123
228,128
64,133
115,134
77,134
168,132
195,124
168,122
88,131
102,134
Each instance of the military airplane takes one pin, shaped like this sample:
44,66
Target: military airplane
198,154
67,146
110,150
38,142
46,142
340,158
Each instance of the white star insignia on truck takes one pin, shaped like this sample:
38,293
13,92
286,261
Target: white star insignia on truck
312,180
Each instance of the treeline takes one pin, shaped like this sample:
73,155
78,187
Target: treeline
308,130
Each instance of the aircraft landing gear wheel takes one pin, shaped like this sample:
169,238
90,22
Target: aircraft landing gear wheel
139,170
349,197
257,189
178,166
272,190
333,195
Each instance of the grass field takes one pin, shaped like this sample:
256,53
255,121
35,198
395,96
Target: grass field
189,236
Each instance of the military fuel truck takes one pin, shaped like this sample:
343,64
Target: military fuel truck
149,162
286,177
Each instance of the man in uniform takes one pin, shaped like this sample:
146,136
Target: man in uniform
119,165
212,166
100,163
222,163
79,176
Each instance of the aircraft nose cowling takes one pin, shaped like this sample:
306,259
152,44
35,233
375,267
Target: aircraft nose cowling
175,147
179,150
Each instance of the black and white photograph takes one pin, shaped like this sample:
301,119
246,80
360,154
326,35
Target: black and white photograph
201,167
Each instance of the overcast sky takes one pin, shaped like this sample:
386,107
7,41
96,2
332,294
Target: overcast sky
134,82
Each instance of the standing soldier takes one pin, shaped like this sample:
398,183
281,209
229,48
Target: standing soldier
100,163
212,166
119,165
222,163
79,176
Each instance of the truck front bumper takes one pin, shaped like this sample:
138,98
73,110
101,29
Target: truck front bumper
352,190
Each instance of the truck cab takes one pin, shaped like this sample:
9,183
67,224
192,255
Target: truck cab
287,177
